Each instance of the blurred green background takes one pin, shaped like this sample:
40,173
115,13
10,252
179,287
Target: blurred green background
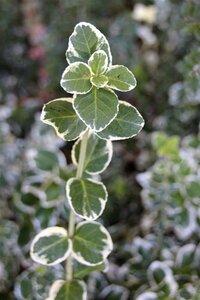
153,212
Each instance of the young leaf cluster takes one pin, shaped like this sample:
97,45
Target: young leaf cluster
94,116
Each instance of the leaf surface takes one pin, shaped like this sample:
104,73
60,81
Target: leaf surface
86,197
59,113
98,62
127,124
73,290
84,41
120,78
99,81
98,154
76,78
92,243
81,271
51,246
97,108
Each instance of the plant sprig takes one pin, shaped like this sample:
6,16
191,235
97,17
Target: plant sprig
95,116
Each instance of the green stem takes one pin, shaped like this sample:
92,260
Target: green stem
79,173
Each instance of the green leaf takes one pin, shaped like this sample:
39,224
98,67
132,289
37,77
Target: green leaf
193,189
97,108
80,271
46,160
98,62
166,145
76,78
86,197
92,243
127,124
185,256
120,78
28,200
33,283
60,114
160,275
98,154
62,290
51,246
55,193
84,41
99,81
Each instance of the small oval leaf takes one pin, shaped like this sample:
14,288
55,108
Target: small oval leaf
55,193
97,108
86,197
120,78
98,154
62,290
92,243
60,114
84,41
76,78
51,246
99,81
46,160
185,256
127,124
98,62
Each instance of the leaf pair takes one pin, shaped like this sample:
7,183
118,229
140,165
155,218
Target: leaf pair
90,245
87,198
79,78
60,114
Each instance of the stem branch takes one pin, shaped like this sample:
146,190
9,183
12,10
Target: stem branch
79,173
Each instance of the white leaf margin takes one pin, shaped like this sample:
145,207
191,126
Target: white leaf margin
68,69
26,190
114,87
147,296
116,138
55,230
61,135
99,86
105,253
109,146
55,202
56,286
168,278
91,59
184,250
98,34
102,201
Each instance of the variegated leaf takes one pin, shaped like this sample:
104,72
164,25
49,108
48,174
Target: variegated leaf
127,124
51,246
98,154
63,290
59,113
76,78
86,197
84,41
98,62
97,108
120,78
99,80
91,244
